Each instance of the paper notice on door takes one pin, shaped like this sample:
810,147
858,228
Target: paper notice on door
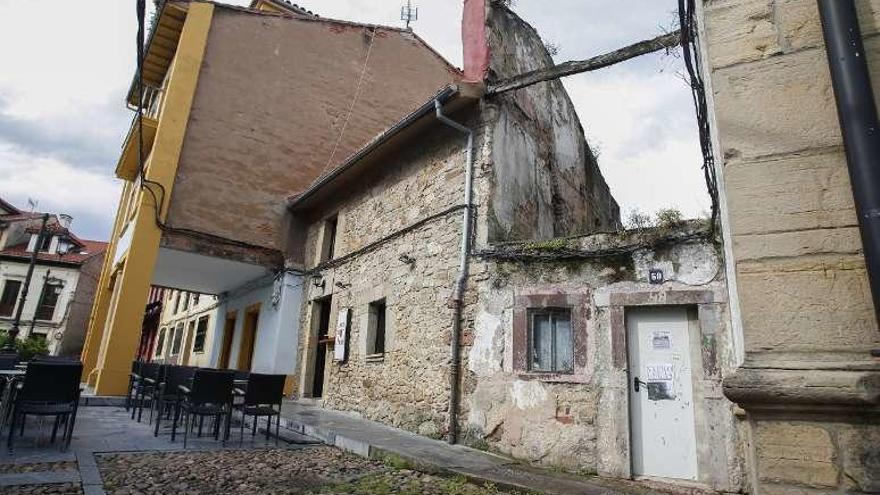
661,340
659,371
660,390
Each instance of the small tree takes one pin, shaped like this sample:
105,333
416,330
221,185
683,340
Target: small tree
669,217
638,220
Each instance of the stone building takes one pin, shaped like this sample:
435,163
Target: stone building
809,378
551,288
63,283
241,107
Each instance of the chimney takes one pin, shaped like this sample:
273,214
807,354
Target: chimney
475,40
65,220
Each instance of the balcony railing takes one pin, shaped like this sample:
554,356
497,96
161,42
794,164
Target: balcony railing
153,102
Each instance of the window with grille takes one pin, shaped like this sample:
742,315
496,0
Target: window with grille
550,344
201,335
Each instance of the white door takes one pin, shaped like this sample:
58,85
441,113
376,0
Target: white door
661,393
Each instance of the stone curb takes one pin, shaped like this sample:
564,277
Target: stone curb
370,451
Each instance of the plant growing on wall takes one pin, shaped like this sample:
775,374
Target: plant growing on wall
27,348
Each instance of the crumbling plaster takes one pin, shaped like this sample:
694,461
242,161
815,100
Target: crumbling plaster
546,181
581,422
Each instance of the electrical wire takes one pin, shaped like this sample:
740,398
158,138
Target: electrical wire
357,94
690,46
148,185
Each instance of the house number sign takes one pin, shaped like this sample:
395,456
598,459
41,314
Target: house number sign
656,277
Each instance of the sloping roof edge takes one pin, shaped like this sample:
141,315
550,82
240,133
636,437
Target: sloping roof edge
329,20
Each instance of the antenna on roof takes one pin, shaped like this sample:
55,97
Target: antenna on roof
32,204
409,13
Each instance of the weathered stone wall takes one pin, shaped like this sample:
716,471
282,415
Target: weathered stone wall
581,422
808,382
409,387
545,179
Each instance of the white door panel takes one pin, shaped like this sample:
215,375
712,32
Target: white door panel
661,393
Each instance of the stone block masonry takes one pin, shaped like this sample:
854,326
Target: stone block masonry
809,384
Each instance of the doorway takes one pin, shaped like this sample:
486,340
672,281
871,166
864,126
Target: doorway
322,320
661,401
228,334
248,338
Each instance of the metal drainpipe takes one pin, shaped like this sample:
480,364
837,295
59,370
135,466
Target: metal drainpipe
460,282
857,112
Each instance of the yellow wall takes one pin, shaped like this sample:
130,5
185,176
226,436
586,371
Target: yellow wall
119,331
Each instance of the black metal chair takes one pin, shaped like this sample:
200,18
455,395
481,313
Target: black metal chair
167,393
151,375
55,359
133,378
8,361
262,394
209,395
49,389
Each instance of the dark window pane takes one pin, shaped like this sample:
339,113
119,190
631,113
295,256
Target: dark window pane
201,335
48,301
10,296
160,342
178,337
378,319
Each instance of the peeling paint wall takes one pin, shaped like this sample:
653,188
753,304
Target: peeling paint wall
580,422
545,179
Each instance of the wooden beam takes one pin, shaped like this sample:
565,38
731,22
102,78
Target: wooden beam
576,67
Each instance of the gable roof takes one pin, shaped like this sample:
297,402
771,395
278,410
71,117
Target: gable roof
89,249
8,209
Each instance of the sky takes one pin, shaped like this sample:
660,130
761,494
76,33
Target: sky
65,74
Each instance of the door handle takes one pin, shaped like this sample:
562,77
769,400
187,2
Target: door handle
637,383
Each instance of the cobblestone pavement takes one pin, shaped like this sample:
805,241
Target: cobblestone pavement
314,470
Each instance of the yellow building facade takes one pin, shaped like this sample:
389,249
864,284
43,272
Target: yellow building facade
128,269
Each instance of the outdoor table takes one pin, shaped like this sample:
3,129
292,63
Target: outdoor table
10,378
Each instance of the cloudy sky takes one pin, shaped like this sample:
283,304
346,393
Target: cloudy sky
65,73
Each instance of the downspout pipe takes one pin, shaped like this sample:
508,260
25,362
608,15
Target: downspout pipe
857,112
461,280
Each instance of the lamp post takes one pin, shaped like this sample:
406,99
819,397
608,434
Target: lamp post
13,332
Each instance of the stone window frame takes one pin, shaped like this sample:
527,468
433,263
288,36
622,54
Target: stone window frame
578,303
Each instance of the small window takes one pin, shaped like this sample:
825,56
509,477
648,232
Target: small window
201,335
10,296
328,243
376,330
176,301
48,301
551,349
178,337
42,247
160,342
196,299
186,301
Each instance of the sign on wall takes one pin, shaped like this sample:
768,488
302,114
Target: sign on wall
340,347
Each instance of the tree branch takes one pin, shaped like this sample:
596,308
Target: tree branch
595,63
